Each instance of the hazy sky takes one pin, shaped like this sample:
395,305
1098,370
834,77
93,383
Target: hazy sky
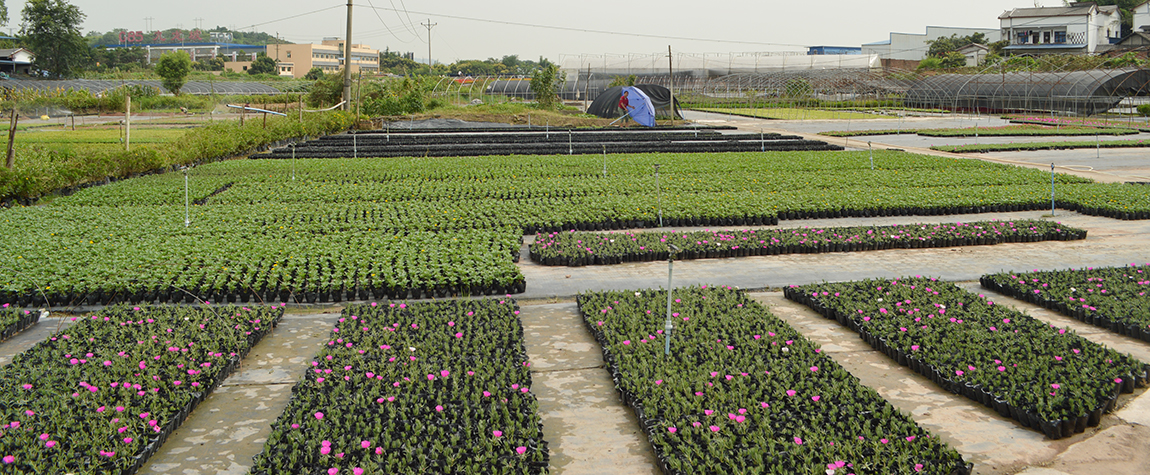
478,30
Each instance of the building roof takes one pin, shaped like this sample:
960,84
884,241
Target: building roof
8,53
1078,9
1144,35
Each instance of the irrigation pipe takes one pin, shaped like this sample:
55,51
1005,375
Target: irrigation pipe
328,109
253,109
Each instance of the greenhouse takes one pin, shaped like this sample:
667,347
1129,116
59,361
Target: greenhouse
1086,92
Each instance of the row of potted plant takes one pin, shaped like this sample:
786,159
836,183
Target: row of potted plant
741,391
1025,146
269,237
252,265
1022,130
1048,378
102,395
430,387
13,320
1078,122
584,248
1110,297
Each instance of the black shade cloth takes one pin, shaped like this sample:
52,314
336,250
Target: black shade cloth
606,104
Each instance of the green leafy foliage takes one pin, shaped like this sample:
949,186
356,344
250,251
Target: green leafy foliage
574,248
51,28
263,64
741,390
545,85
1048,378
102,394
456,373
1110,297
174,67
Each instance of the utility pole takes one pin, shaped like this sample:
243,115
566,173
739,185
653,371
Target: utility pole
429,26
671,86
199,23
347,63
148,20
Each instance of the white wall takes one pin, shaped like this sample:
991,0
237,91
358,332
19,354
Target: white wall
1141,16
914,46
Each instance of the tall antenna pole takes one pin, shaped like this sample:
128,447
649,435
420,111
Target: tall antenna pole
429,26
347,62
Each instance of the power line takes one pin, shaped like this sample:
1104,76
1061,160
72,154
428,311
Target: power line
293,16
587,30
387,28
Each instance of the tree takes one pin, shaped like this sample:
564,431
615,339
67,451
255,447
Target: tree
173,69
51,29
545,84
3,13
622,81
209,64
263,65
314,73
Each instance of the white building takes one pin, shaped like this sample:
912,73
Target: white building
1081,27
1142,16
914,47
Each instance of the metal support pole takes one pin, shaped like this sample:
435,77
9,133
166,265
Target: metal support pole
1052,189
187,213
354,146
293,161
868,146
604,160
762,141
667,326
659,194
570,145
128,123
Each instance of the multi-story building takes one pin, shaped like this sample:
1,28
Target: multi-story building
1080,27
297,59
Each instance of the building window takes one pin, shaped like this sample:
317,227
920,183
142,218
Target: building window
1022,38
289,54
1046,37
1060,37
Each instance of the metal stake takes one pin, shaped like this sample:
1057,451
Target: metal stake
187,215
354,146
667,326
604,160
659,194
570,146
1052,189
293,161
868,146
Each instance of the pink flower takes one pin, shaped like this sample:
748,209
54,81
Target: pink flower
672,430
816,398
438,408
1055,386
333,471
521,450
918,467
319,415
324,450
798,441
9,459
365,444
814,369
357,471
714,428
497,433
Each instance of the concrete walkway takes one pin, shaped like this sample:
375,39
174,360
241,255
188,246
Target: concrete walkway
586,425
995,444
1109,243
230,427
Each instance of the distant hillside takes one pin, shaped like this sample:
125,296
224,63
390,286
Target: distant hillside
176,36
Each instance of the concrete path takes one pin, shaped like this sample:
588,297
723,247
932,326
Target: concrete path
230,427
1109,243
586,425
1111,165
995,444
